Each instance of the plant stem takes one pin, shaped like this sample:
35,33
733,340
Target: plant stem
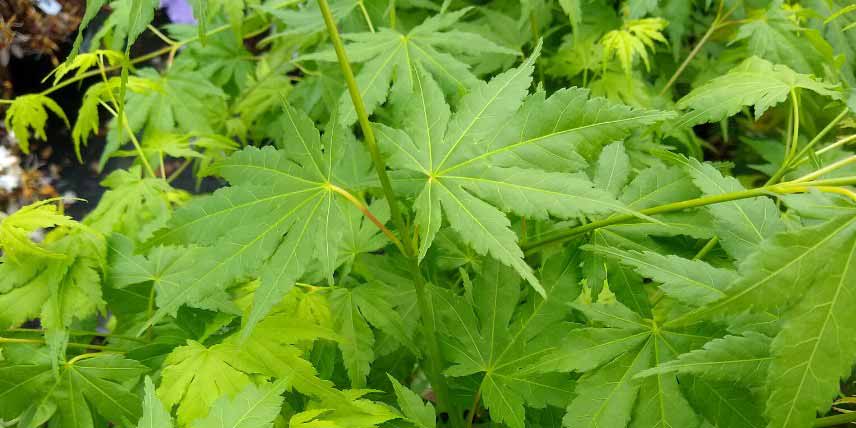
434,372
821,134
707,248
797,159
715,25
835,420
70,344
79,333
782,188
473,409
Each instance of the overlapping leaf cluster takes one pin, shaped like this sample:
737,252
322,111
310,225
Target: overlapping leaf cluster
552,249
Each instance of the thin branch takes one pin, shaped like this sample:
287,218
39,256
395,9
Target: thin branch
434,360
835,420
70,344
782,188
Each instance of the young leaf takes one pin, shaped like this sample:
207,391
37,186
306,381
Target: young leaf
30,112
16,229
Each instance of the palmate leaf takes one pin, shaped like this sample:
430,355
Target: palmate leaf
774,36
58,291
498,153
392,58
755,82
195,376
806,276
16,230
134,205
353,311
280,214
612,354
30,112
509,353
100,384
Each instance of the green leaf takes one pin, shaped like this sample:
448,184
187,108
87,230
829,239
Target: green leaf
774,36
420,414
90,11
729,405
470,164
515,356
31,112
357,337
154,414
742,224
392,59
742,359
16,229
691,281
774,277
605,398
811,354
98,384
133,206
253,407
296,217
613,168
755,82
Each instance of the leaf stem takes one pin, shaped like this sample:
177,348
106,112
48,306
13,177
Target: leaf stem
781,188
835,420
434,371
797,159
361,4
365,210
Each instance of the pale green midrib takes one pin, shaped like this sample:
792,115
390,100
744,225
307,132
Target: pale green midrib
652,116
478,116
